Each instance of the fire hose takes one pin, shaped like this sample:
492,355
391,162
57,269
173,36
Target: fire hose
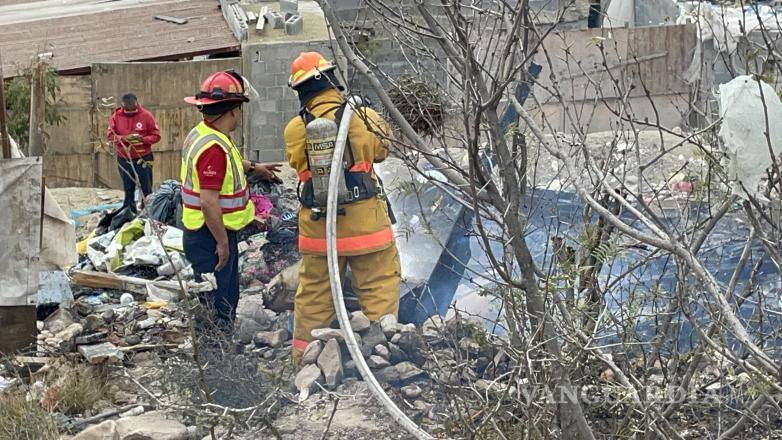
336,282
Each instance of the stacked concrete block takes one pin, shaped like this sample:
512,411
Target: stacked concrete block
294,25
289,6
274,19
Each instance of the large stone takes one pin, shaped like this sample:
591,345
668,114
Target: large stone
408,372
390,325
469,346
412,345
375,362
70,332
366,350
108,315
103,431
382,351
307,379
246,328
155,425
411,391
252,307
66,337
373,336
312,352
435,322
280,292
395,354
407,328
273,339
388,375
350,369
359,322
100,353
58,321
330,363
92,323
327,334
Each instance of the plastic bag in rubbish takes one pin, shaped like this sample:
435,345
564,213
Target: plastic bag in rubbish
172,239
146,251
743,132
180,264
162,204
99,249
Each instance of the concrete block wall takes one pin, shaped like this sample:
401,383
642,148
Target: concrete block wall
384,51
267,66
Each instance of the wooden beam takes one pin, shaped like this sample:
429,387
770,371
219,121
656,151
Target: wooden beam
4,139
102,280
37,109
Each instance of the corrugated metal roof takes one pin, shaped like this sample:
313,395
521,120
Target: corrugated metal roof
80,32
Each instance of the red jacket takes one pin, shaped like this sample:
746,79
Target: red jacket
141,123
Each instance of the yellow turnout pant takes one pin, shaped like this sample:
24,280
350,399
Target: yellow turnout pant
375,279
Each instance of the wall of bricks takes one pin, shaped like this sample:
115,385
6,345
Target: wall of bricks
267,66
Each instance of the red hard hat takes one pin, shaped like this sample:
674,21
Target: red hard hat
221,86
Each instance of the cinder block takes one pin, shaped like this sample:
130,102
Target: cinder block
276,155
268,105
275,19
291,6
274,93
294,25
281,79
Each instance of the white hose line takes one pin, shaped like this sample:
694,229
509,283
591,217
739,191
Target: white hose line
336,282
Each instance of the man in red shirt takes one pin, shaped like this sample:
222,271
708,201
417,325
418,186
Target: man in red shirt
133,130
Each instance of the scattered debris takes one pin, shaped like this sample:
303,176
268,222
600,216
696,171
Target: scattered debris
100,353
170,19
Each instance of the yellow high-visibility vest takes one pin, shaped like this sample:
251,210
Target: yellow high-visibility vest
238,210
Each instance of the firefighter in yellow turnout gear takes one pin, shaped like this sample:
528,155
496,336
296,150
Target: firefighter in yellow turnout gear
365,239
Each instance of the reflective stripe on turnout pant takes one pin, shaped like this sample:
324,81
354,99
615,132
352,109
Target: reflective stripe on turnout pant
375,279
200,247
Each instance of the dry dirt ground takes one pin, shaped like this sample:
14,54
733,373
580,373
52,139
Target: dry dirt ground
358,417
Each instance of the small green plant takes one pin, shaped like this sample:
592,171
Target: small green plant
23,420
17,102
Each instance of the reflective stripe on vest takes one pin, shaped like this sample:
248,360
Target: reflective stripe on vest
235,205
228,203
196,148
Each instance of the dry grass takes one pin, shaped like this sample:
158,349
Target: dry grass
23,420
76,392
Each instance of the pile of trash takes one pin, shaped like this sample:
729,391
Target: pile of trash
127,283
102,327
147,249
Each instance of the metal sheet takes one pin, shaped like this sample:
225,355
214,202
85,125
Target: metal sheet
20,230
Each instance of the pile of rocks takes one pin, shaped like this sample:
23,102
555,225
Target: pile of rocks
101,327
393,351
